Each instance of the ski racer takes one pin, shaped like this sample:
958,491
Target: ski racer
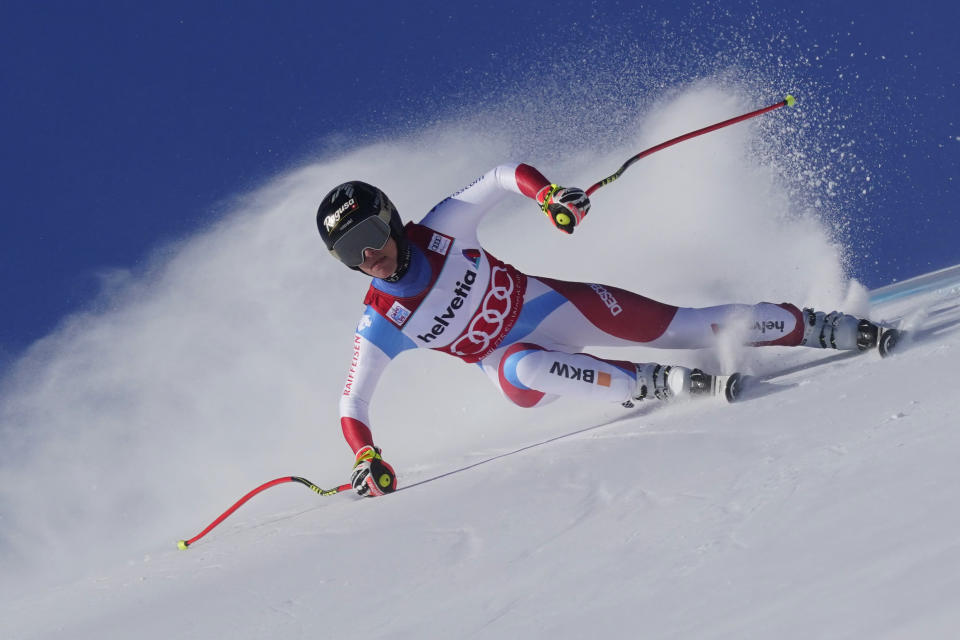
435,287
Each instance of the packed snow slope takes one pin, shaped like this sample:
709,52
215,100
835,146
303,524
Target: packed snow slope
823,507
820,507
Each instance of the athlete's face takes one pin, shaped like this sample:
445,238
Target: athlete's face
380,263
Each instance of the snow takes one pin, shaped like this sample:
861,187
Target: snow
823,506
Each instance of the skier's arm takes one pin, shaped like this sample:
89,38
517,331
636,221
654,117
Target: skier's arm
461,213
375,344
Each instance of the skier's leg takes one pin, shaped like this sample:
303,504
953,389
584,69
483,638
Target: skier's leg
531,375
758,325
593,314
607,316
527,367
508,384
537,364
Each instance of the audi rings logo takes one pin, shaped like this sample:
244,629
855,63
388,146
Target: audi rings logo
490,318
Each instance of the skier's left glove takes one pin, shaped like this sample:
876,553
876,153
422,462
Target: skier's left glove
372,475
565,207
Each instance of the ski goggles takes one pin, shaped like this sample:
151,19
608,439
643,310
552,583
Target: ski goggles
370,233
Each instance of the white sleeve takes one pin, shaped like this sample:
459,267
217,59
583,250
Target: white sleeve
459,215
375,344
368,364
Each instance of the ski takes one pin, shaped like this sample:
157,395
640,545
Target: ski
730,388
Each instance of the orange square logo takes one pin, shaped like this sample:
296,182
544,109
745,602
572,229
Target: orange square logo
603,379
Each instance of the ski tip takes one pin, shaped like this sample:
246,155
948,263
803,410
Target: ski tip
790,100
182,545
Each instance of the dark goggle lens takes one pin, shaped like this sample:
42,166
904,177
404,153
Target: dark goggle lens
371,233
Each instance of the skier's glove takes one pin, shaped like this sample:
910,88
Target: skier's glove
372,476
565,207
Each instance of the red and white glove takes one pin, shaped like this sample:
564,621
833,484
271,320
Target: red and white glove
565,207
372,476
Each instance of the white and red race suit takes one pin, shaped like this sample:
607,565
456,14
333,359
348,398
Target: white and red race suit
526,332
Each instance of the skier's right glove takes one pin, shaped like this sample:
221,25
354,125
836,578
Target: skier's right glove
372,476
565,207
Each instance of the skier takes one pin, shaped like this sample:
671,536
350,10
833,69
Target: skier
434,286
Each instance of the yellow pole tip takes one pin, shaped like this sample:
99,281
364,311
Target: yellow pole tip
790,100
182,545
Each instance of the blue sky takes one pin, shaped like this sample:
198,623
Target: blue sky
130,125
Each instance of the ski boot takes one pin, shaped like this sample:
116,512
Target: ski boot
666,382
837,330
726,387
883,339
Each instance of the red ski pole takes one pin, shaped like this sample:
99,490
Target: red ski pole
786,102
183,544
